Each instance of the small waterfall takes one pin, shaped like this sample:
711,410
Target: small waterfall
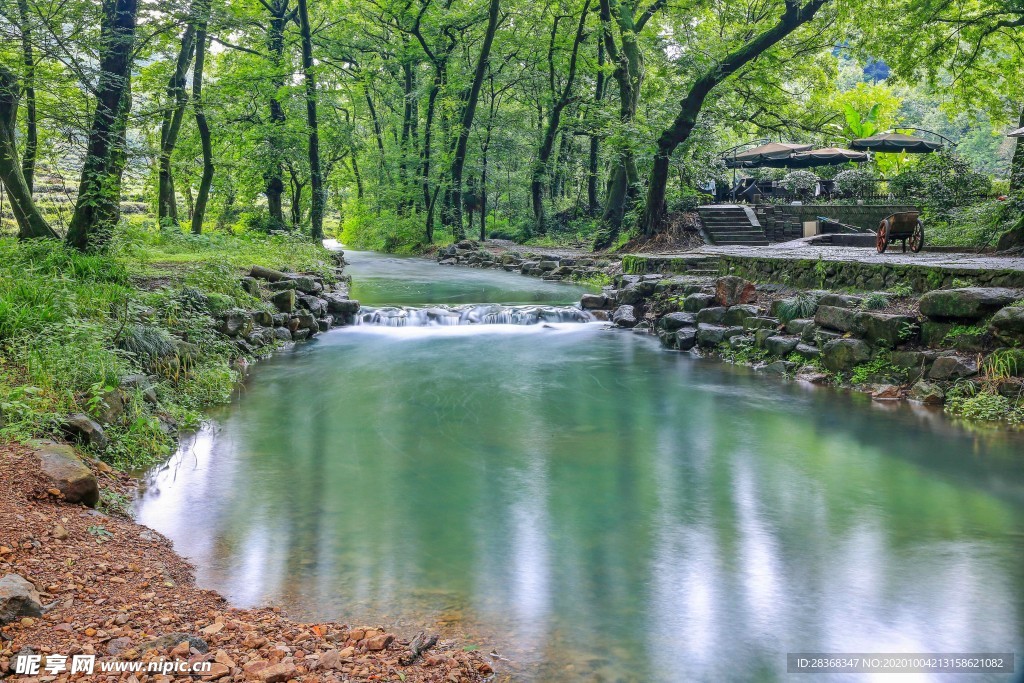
486,314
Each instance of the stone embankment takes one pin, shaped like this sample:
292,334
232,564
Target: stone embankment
77,581
891,346
548,265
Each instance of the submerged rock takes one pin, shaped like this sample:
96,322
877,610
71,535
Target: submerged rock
927,392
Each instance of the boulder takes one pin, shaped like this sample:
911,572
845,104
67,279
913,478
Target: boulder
779,367
933,334
710,335
711,316
966,303
234,322
840,300
306,321
780,346
142,384
268,274
339,304
282,334
686,338
308,285
741,340
547,266
697,302
624,316
635,292
927,392
66,472
109,409
732,290
265,318
1008,323
953,367
737,315
840,355
251,286
886,330
674,321
284,301
84,429
761,323
886,392
799,325
593,302
807,351
18,598
837,318
314,304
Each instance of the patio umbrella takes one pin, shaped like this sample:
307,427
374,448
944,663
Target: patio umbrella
757,156
826,156
896,143
1019,133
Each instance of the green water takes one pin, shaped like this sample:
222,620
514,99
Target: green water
593,507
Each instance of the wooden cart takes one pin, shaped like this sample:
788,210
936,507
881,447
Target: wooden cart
902,226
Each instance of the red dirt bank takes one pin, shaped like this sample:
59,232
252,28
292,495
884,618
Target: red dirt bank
113,586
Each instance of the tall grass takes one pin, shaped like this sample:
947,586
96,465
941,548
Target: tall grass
73,325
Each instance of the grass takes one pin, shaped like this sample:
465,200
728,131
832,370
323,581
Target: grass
73,325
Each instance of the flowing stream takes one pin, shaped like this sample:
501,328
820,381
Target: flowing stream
587,504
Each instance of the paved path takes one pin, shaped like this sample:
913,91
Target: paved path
800,250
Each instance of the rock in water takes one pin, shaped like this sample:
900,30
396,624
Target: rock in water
732,290
18,598
927,393
624,316
66,472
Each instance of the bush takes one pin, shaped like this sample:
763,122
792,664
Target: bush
800,181
386,231
943,181
853,182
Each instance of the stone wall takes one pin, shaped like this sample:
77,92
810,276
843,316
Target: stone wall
784,223
812,274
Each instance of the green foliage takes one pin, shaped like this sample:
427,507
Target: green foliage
874,301
879,368
384,231
855,182
800,181
802,305
901,290
944,181
965,400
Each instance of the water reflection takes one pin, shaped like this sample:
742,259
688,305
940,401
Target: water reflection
578,497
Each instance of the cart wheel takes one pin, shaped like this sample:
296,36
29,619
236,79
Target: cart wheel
882,241
904,245
917,238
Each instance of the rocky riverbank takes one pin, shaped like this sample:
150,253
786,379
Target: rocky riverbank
960,347
548,264
79,581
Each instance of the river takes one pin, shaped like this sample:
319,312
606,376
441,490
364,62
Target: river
589,505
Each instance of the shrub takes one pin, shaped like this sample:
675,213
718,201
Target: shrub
800,181
943,181
875,301
854,182
803,305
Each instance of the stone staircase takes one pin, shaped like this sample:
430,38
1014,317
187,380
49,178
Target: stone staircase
731,224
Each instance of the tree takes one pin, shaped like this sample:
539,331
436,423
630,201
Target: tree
97,209
174,111
30,222
315,172
203,127
794,16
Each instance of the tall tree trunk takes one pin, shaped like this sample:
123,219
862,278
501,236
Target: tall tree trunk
273,175
177,98
593,204
794,17
467,119
203,195
628,75
1017,163
30,222
316,178
28,159
562,99
99,192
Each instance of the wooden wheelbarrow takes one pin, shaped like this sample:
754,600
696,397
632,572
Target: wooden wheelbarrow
905,226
